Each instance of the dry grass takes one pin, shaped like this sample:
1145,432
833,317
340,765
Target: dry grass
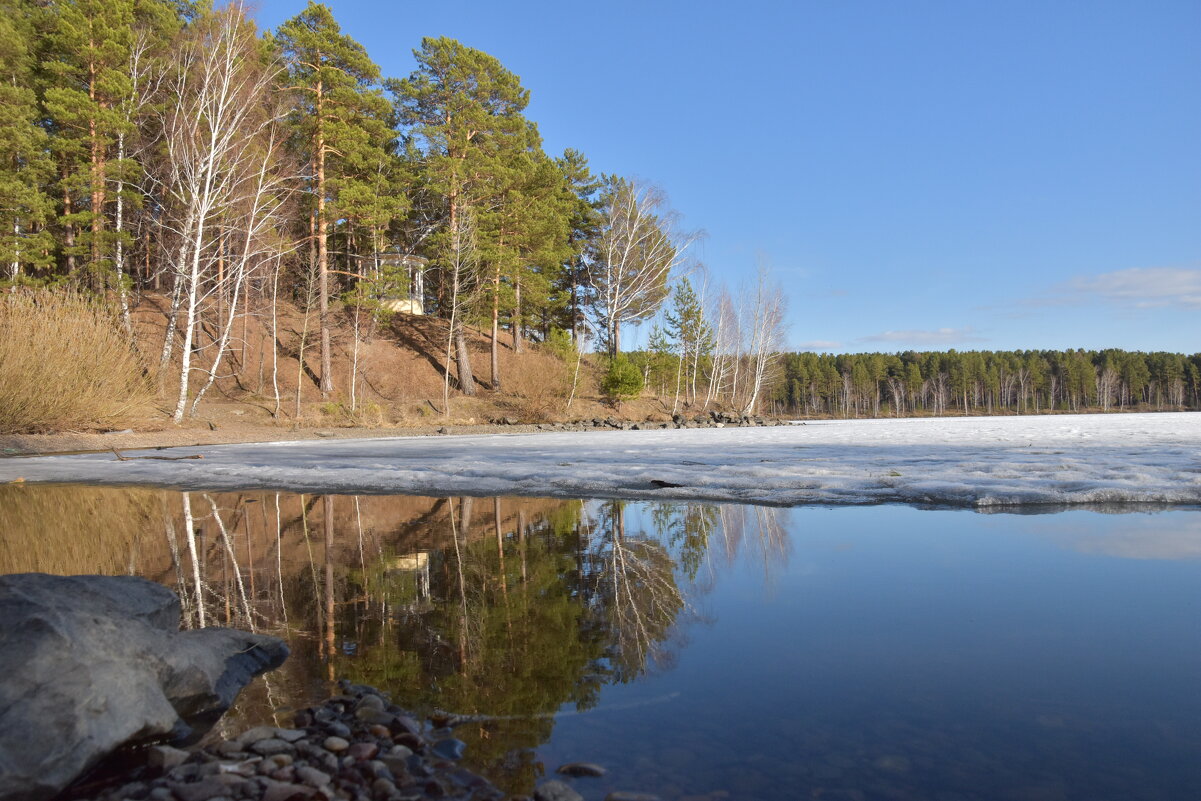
538,389
67,529
64,363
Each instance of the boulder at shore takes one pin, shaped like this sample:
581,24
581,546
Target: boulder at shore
89,664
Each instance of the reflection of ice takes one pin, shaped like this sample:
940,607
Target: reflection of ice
1170,537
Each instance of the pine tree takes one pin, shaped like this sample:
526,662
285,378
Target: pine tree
25,166
570,287
686,325
343,130
157,24
465,111
530,237
87,62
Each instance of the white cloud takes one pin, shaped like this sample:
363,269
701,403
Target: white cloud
939,336
819,344
1144,287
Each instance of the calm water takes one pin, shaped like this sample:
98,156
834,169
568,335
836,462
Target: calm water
698,651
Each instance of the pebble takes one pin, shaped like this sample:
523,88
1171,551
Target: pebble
398,766
363,750
555,790
284,774
312,777
230,748
410,741
407,724
335,744
271,746
371,702
252,736
581,769
280,764
164,757
204,790
450,748
383,787
338,730
286,791
377,716
247,767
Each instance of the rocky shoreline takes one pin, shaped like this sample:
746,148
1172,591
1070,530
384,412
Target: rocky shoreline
356,746
713,419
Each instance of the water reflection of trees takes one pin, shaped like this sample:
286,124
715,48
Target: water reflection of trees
628,578
502,609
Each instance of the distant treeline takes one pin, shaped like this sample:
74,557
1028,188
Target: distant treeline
986,382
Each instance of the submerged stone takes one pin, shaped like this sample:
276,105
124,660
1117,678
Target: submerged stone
450,748
555,790
581,769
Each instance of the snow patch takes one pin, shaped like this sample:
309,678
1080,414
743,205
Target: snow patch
985,462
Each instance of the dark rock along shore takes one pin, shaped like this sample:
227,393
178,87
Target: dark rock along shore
92,664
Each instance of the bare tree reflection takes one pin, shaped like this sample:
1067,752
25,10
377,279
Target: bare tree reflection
631,589
198,588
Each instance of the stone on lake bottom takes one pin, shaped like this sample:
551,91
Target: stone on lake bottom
450,748
555,790
581,769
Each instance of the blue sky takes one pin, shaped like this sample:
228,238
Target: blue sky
928,175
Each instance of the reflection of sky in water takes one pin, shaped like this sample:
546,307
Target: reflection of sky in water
1149,536
898,653
853,653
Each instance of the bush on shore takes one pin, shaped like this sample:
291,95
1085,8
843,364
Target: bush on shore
64,363
622,381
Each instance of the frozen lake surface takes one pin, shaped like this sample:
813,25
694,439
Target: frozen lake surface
972,461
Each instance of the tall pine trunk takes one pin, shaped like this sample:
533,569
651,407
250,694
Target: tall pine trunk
466,378
327,382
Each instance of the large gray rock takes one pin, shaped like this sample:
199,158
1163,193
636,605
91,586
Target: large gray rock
89,664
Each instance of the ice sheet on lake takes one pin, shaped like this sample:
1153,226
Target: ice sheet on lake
979,461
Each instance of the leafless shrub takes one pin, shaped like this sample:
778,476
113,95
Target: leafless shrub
540,386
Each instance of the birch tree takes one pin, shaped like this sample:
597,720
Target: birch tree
765,334
638,246
215,171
